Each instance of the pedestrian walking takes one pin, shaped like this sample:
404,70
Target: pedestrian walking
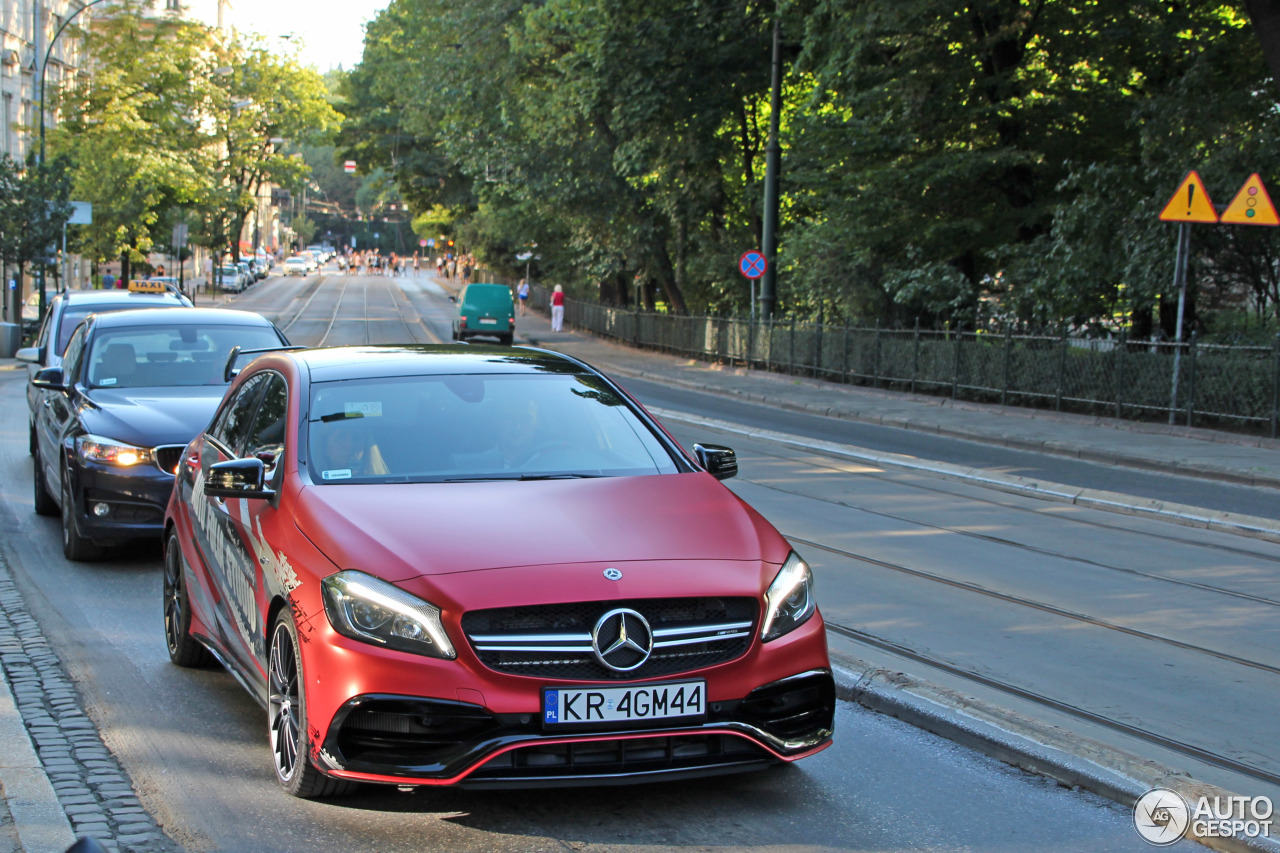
557,309
523,293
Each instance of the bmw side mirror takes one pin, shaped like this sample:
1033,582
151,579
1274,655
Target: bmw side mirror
237,478
720,461
31,355
51,378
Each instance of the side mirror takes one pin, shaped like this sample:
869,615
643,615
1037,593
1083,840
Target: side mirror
51,378
453,298
31,355
720,461
237,478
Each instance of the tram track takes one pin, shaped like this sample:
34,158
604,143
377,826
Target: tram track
399,303
1040,606
1146,735
1046,552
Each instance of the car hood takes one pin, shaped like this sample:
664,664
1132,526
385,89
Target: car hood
398,532
149,417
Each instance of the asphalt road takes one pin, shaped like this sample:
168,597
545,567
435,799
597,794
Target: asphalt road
194,743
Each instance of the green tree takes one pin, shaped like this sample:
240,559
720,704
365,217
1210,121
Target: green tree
34,208
181,123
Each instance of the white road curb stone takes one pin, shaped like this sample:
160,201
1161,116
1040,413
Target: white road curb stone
38,818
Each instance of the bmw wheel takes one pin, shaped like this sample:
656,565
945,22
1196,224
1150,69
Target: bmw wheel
44,502
74,546
287,718
184,650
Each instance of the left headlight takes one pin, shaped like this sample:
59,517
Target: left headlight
789,602
95,448
364,608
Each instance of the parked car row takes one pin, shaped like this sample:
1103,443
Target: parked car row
237,276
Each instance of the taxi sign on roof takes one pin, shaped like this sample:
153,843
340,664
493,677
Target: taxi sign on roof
148,287
1252,205
1190,202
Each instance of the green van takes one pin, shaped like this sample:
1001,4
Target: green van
485,309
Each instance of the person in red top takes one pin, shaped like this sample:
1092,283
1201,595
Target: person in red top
557,309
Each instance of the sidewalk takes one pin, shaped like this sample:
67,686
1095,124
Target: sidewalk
1247,460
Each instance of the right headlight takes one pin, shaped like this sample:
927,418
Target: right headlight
364,608
108,451
789,601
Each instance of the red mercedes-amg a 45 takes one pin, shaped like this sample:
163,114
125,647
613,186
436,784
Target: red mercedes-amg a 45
439,565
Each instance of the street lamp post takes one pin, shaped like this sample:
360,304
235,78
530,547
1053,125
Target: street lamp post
44,66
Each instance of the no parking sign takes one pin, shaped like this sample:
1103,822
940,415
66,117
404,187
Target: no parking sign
752,264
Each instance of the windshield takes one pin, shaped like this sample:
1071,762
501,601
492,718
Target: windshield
468,427
163,356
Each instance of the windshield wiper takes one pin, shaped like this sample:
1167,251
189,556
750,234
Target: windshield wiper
520,477
559,476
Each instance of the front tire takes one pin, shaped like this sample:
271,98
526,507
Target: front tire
287,718
184,650
45,505
74,546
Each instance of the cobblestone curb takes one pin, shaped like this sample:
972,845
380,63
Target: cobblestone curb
92,789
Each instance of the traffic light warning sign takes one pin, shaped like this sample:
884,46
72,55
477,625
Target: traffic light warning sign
1190,203
1252,205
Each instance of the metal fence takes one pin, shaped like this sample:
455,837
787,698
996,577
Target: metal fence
1231,387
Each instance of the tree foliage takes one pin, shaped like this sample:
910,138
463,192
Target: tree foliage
177,123
955,161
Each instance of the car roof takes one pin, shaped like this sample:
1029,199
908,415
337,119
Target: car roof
330,364
187,317
111,297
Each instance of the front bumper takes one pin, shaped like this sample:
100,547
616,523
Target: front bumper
135,499
400,739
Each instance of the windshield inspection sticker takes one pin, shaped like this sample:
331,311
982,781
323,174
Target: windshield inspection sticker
338,474
367,410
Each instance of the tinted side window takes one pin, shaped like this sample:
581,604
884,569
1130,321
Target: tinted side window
266,437
232,424
74,355
42,337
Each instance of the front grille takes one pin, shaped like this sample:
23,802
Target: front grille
705,752
168,457
136,513
408,732
554,641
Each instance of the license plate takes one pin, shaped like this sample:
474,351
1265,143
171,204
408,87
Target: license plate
488,321
574,705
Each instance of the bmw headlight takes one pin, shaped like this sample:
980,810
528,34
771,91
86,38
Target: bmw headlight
364,608
95,448
789,601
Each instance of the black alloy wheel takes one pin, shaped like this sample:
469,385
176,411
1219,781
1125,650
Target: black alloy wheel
45,504
287,719
184,650
74,546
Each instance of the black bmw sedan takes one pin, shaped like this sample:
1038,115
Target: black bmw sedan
133,388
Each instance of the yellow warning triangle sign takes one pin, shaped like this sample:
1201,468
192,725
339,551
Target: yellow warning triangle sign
1252,205
1190,203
